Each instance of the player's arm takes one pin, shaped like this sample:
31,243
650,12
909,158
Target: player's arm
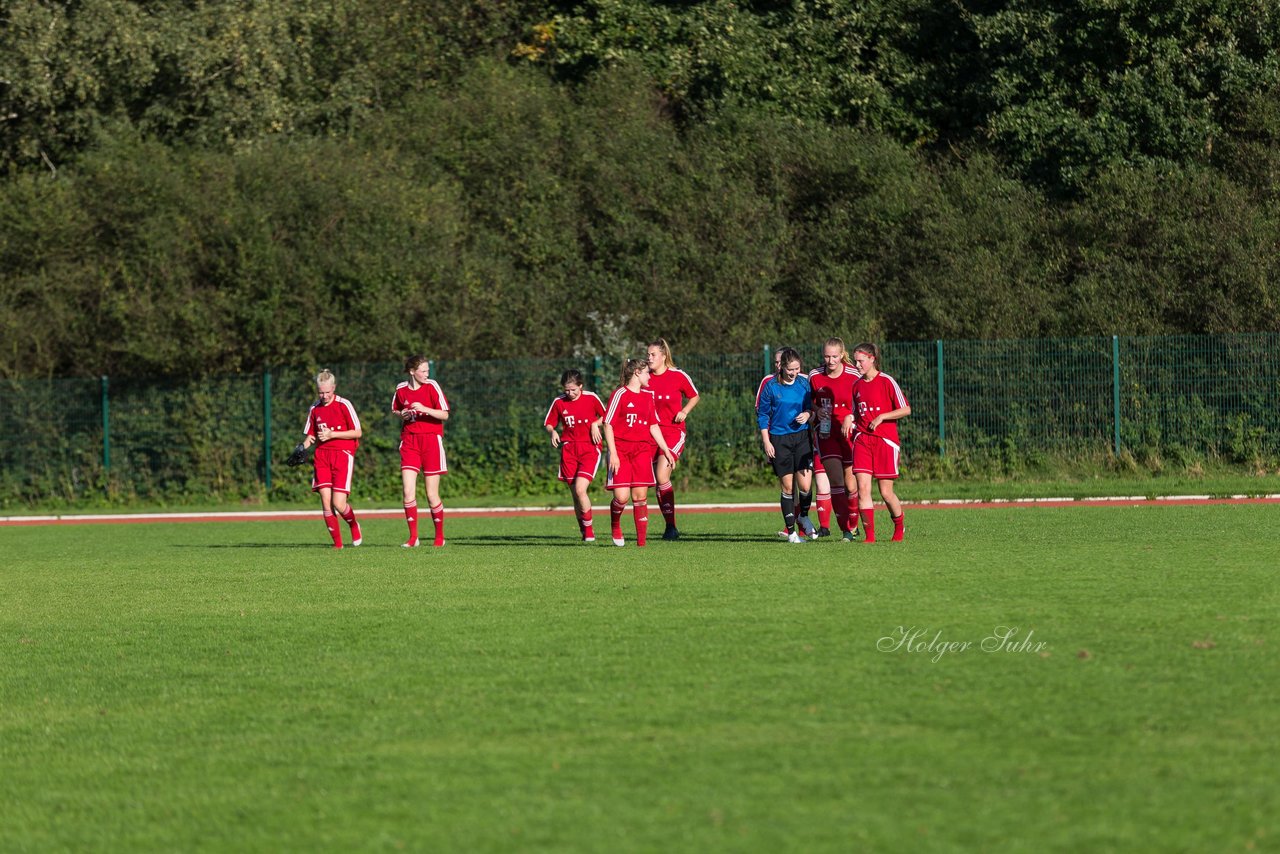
892,415
597,431
612,445
555,437
656,432
689,404
764,412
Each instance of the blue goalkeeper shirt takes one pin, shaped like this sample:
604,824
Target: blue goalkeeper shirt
781,403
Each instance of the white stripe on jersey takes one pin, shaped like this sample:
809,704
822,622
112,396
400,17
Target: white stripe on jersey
355,419
897,391
444,402
613,401
687,377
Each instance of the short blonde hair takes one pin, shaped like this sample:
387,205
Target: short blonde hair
326,376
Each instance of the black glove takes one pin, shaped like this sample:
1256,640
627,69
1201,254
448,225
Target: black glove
298,457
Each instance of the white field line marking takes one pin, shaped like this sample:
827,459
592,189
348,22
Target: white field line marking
395,512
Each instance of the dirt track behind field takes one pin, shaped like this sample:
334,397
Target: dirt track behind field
502,512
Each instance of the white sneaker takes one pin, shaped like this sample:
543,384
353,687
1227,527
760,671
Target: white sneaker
588,539
412,544
357,542
619,541
793,537
782,535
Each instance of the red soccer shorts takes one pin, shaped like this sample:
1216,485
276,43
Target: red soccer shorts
579,459
423,452
333,470
836,446
875,455
635,465
674,437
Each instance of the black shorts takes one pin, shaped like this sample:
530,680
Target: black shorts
791,452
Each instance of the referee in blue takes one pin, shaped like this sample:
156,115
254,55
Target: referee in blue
783,415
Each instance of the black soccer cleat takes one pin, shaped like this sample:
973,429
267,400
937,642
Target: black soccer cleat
671,533
824,532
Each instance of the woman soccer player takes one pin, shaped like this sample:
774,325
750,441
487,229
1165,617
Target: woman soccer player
422,408
332,421
878,404
833,401
580,413
783,414
634,438
675,396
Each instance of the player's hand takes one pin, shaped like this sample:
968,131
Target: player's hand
846,426
596,438
325,434
418,407
555,438
679,419
803,418
876,422
768,450
671,457
613,464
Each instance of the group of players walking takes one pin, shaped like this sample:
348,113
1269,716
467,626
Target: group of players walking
847,411
844,413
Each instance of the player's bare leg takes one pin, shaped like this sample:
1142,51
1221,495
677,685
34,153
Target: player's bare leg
582,504
666,497
895,507
866,507
432,484
640,511
330,520
409,479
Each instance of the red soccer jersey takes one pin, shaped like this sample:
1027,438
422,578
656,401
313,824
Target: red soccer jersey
630,414
430,396
339,415
832,398
872,397
576,416
669,389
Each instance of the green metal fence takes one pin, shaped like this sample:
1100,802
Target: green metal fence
123,439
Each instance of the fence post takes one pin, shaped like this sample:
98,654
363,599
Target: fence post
942,408
106,428
1115,390
768,359
597,374
266,425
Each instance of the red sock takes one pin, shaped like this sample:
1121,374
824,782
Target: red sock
667,503
898,527
615,518
350,518
824,509
588,533
331,522
437,516
869,525
411,516
840,503
853,513
640,510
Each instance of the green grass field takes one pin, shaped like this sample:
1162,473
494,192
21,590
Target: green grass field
240,686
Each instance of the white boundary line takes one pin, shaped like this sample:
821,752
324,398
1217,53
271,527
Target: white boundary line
483,511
